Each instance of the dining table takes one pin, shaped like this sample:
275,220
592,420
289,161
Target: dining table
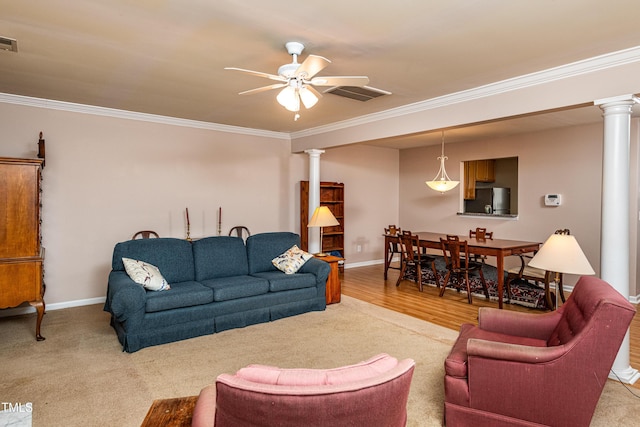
498,248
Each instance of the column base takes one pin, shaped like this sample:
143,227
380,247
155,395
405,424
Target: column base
627,376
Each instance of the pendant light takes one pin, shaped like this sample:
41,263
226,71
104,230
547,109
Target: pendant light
442,182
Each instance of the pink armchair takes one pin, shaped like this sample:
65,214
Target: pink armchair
524,368
370,393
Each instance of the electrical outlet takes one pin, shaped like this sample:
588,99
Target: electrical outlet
359,248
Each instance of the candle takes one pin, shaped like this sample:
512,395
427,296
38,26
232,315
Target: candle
188,217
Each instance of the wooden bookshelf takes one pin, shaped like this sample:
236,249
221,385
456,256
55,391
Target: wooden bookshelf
332,196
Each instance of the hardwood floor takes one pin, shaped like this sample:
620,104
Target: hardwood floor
451,311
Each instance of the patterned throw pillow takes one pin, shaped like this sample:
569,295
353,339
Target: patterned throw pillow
291,261
145,274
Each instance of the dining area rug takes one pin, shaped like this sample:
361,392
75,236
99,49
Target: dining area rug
522,292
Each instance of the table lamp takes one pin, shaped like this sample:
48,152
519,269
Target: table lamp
561,254
322,217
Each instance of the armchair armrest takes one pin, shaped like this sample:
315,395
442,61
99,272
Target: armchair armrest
513,352
520,324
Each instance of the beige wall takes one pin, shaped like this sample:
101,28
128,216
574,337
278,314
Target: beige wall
566,161
106,178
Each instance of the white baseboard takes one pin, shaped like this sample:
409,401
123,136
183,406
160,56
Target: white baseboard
54,306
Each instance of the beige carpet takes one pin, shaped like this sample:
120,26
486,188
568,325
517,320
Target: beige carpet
79,376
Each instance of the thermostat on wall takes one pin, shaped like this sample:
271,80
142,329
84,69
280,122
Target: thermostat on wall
552,199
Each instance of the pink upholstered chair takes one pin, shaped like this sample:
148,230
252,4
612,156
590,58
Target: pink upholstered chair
370,393
520,368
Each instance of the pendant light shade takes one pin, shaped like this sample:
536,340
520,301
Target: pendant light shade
442,182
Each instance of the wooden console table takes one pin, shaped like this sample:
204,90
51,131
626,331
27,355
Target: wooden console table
334,287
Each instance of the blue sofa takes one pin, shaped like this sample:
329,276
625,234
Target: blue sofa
217,283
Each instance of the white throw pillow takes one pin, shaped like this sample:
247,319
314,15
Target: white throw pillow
145,274
291,261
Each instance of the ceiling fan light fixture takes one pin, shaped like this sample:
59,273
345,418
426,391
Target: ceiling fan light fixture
289,99
308,98
442,182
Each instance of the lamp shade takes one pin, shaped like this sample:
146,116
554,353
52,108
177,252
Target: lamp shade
289,99
442,185
322,217
562,254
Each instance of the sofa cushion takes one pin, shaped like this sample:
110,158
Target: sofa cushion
228,288
173,257
291,260
221,256
145,274
279,281
455,365
182,294
264,247
370,368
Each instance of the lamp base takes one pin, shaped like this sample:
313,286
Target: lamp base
321,254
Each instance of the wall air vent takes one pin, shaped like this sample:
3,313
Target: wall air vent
363,94
8,44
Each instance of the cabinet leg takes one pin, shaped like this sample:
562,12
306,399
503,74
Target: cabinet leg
39,306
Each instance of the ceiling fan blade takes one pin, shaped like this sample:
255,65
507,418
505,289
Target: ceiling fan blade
312,66
263,89
258,74
340,81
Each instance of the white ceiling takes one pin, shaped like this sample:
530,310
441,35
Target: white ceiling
168,57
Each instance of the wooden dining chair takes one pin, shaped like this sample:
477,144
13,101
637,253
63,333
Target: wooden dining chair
459,264
540,278
481,234
145,234
393,248
240,231
412,255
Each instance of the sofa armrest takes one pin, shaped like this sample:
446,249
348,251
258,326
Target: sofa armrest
125,298
318,268
530,325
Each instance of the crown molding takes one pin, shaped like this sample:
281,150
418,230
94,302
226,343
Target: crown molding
598,63
132,115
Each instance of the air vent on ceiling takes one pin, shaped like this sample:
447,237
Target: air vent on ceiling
363,94
8,44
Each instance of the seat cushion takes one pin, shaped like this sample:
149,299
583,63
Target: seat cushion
279,281
181,294
455,364
229,288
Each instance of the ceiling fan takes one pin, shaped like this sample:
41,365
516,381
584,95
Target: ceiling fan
297,80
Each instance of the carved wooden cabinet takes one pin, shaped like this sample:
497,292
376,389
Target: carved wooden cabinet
21,252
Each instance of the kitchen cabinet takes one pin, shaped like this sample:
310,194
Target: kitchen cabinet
485,170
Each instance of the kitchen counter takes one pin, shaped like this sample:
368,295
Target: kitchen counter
485,215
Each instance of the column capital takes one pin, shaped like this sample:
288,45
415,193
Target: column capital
628,99
314,152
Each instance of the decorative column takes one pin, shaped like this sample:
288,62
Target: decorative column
614,239
314,197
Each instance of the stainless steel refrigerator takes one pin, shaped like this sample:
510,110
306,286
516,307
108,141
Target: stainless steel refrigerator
497,199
